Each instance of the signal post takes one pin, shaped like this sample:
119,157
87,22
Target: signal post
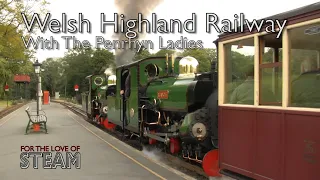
6,89
76,89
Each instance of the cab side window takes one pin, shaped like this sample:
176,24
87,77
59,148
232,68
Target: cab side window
111,91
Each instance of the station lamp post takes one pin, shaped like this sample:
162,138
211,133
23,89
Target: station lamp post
37,66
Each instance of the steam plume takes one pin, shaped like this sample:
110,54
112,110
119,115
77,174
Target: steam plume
153,153
130,9
109,71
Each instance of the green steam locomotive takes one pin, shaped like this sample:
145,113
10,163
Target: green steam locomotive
159,100
94,100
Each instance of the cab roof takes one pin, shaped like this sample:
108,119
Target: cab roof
294,16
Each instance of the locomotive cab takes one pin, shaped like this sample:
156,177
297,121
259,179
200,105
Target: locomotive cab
95,97
110,90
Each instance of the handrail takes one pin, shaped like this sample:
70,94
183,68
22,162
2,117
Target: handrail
44,113
29,110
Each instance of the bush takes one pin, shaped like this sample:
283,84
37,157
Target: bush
14,103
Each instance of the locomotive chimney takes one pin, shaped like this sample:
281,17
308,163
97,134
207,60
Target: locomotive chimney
167,62
172,62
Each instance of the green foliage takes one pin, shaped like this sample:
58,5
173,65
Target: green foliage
14,103
11,29
144,53
239,63
11,46
61,75
204,56
163,52
101,60
14,58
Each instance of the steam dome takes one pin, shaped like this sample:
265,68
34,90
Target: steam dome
188,66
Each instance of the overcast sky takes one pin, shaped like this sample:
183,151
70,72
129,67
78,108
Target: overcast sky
169,9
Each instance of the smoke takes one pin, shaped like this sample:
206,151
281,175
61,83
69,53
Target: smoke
152,153
130,10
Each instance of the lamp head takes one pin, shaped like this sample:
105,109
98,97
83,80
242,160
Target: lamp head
37,66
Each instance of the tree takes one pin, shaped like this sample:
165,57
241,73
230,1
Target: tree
164,52
11,30
101,60
62,74
14,58
204,57
11,10
51,74
3,73
144,53
11,46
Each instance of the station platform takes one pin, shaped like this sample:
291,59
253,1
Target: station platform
102,156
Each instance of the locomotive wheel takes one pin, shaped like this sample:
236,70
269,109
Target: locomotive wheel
174,145
210,163
97,119
108,125
90,119
152,141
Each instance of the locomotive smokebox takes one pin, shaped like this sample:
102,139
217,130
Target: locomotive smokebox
196,127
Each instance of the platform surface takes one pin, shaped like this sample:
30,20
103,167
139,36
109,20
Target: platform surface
102,156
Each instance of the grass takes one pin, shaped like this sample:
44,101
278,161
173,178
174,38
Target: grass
3,103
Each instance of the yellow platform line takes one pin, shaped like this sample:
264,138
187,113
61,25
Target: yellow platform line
3,122
115,148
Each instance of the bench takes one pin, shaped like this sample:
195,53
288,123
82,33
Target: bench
36,120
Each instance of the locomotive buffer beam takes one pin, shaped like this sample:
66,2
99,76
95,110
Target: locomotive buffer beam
165,140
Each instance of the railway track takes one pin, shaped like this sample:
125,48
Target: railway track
170,160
